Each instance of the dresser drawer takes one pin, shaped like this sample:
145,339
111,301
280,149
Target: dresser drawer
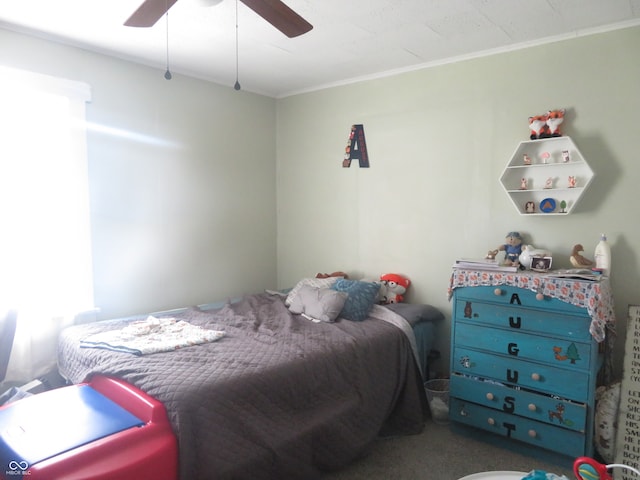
507,295
566,442
542,408
564,383
569,354
517,318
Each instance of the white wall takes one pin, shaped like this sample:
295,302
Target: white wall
438,140
182,181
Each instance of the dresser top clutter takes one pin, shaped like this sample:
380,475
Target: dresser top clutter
595,296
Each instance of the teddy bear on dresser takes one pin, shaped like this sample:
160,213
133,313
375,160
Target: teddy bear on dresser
512,248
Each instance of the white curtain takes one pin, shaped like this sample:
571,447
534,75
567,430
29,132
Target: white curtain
45,249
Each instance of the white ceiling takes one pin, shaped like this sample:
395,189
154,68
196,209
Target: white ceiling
351,39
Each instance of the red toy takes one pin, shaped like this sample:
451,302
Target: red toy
585,468
538,127
554,119
102,430
392,288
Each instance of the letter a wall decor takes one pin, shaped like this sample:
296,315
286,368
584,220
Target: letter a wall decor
356,148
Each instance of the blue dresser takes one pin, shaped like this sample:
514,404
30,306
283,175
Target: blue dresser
523,363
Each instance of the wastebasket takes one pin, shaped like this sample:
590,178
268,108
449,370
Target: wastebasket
438,396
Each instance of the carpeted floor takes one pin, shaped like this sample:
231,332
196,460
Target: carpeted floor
439,453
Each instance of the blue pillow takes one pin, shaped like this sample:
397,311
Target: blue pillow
362,296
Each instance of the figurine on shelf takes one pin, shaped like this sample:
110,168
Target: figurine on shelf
512,247
572,181
530,207
565,156
526,159
545,157
554,119
577,260
549,183
523,184
563,206
538,127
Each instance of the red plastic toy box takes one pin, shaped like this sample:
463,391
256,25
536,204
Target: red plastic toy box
105,429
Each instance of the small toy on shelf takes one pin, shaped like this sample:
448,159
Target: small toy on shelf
554,119
545,156
577,260
512,248
549,183
523,184
538,127
565,156
563,206
548,205
526,159
571,181
530,207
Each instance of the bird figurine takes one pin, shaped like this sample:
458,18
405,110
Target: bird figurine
578,260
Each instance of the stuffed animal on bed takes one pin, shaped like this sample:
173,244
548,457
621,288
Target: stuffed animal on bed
334,274
392,288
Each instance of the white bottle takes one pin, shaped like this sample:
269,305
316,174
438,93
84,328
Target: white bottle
603,256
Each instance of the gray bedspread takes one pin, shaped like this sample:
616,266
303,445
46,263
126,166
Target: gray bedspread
277,397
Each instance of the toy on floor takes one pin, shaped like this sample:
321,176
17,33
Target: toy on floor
586,468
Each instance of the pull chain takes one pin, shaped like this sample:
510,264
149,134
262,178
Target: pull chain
237,84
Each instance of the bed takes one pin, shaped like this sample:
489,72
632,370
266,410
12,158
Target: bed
277,395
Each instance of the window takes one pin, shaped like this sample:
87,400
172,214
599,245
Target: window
45,250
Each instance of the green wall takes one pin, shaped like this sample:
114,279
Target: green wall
200,192
438,140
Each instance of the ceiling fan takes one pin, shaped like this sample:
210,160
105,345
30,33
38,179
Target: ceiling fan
273,11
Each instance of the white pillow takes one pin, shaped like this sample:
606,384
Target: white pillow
323,304
313,282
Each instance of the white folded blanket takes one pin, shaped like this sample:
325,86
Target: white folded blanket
152,335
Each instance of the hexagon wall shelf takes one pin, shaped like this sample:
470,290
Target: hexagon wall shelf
546,176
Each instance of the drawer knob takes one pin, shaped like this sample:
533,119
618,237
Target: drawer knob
539,296
489,396
491,421
532,407
533,434
535,377
497,292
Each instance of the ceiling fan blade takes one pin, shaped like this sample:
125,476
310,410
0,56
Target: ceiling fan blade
280,16
149,12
